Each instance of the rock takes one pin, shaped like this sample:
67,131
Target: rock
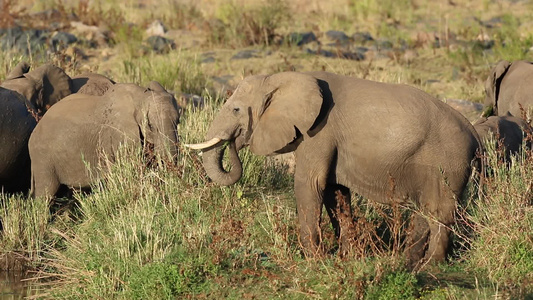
26,41
91,33
338,54
156,28
223,84
301,38
362,37
195,101
246,54
494,22
337,36
60,40
160,44
208,60
383,44
321,52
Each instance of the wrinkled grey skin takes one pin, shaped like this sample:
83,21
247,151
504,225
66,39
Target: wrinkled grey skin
509,129
23,96
80,128
91,84
356,134
508,86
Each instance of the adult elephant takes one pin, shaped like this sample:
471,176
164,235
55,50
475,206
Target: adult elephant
508,88
24,95
510,130
356,134
77,131
91,84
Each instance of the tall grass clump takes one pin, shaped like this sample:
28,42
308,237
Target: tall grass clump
248,25
179,72
24,235
502,221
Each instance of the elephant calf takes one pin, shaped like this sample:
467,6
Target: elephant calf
509,129
78,129
351,134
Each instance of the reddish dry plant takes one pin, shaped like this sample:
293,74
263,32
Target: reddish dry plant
361,234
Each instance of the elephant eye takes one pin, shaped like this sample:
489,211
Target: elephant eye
236,110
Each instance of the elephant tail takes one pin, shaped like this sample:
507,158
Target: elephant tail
479,163
32,185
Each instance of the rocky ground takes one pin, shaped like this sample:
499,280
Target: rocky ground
429,50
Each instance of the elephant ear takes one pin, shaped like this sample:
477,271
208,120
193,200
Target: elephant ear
19,70
492,84
54,85
290,106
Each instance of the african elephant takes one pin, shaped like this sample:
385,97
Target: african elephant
23,95
91,84
354,135
509,129
81,128
508,87
42,87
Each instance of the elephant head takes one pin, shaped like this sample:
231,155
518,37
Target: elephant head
42,87
271,114
492,85
158,117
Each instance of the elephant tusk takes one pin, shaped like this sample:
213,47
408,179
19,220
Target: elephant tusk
204,145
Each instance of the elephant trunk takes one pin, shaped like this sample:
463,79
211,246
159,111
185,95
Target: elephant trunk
212,162
166,144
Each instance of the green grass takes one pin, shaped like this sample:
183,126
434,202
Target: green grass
166,231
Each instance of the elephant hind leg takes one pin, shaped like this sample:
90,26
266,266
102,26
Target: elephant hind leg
44,184
417,241
438,242
337,200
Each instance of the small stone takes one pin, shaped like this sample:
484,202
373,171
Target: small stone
156,28
245,54
300,39
362,37
337,36
61,40
160,44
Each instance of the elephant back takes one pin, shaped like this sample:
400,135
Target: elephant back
91,84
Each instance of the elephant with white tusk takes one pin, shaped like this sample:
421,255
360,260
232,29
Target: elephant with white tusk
355,135
77,131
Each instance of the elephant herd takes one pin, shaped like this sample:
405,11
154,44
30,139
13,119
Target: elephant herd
55,129
348,134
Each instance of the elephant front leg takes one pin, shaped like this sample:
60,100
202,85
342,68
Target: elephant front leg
309,206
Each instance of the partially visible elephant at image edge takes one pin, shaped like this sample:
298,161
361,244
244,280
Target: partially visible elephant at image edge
76,132
510,130
509,87
356,135
24,96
